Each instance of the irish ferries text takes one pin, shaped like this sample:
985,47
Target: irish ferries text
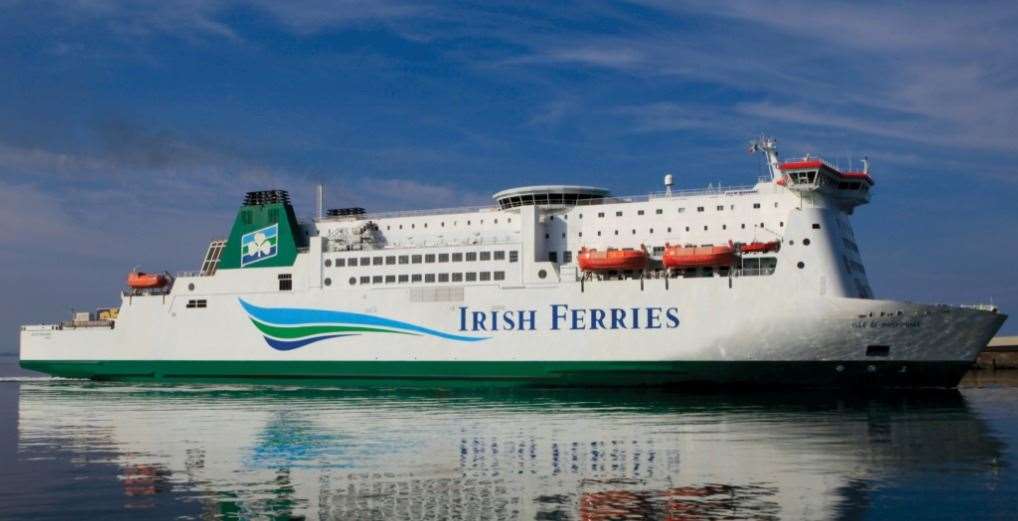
562,317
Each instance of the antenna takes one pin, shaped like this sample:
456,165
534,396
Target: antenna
319,201
769,146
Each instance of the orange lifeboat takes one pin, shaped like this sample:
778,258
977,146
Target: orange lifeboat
698,256
761,247
612,259
142,280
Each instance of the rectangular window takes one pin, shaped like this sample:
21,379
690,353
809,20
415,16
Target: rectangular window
352,261
471,276
404,259
756,205
416,277
457,257
499,255
285,282
365,280
457,277
429,258
499,275
389,279
471,256
340,263
721,207
443,257
377,261
567,257
618,214
639,212
197,304
403,278
816,226
699,208
514,256
443,277
552,256
600,214
682,210
391,259
429,278
485,255
415,259
376,279
485,276
659,211
365,261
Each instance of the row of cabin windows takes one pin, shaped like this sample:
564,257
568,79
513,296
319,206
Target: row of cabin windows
429,278
197,304
659,211
413,226
428,258
650,231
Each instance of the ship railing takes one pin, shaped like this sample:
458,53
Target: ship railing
81,324
720,190
190,274
411,213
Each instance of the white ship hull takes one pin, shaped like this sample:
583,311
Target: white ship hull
493,294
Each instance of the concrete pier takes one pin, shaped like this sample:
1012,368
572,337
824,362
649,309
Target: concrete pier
1001,353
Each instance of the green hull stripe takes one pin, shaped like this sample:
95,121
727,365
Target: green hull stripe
618,373
287,333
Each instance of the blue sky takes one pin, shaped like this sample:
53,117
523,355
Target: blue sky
129,131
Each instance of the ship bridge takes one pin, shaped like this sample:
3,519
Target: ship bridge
548,195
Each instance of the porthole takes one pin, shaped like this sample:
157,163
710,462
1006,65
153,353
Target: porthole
542,274
190,287
801,265
353,280
328,263
805,242
328,281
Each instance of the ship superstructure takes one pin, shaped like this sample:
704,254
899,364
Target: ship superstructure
552,284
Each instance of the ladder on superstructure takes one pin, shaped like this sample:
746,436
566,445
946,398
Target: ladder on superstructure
212,256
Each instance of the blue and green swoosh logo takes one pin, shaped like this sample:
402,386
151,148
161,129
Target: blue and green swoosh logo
289,328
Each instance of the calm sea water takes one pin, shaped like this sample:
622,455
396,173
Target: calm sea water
83,450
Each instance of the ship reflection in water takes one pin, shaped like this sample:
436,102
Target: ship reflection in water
88,449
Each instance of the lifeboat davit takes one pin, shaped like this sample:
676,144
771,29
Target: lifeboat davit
760,247
698,256
142,280
611,259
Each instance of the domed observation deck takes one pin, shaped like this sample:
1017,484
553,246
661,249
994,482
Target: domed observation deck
548,195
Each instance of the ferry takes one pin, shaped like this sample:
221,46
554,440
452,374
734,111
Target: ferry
551,285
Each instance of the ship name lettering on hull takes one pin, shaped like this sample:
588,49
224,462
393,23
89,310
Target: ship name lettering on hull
560,317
